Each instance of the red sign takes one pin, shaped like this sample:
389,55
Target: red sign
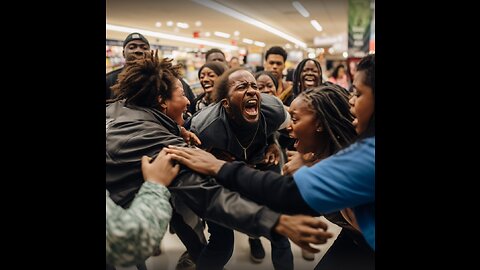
196,34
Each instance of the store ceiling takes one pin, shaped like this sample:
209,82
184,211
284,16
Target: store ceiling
280,14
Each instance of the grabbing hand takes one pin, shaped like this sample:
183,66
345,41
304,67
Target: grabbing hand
161,170
196,159
189,137
297,160
303,231
272,154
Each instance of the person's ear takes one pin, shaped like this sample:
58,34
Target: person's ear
123,53
319,129
225,104
163,104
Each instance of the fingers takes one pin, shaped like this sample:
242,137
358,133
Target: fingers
175,168
315,223
145,161
316,237
162,153
196,139
181,149
181,159
277,159
291,153
269,158
313,235
285,169
179,153
177,158
307,247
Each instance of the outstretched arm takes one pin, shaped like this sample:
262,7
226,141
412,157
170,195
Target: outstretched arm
264,187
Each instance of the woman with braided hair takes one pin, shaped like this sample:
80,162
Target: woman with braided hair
307,74
321,126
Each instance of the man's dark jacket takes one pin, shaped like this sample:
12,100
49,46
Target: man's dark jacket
110,80
132,132
212,127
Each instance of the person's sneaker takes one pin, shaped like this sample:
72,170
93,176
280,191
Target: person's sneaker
185,262
257,253
308,255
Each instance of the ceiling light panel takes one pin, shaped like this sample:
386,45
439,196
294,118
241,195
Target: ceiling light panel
129,30
237,15
301,9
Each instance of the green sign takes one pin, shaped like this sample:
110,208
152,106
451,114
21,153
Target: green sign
360,15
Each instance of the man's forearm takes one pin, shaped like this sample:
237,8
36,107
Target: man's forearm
264,187
212,201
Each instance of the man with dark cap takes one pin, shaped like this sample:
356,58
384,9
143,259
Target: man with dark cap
133,46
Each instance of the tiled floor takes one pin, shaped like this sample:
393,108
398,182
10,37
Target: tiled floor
172,248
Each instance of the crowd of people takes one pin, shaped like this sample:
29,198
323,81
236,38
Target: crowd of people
228,158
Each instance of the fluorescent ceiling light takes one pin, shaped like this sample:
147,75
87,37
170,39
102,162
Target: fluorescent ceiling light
182,25
259,44
298,6
237,15
316,25
221,34
170,37
248,41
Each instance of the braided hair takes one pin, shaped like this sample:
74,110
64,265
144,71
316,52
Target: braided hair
297,75
145,78
330,104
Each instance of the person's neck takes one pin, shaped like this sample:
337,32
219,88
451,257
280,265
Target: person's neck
244,131
323,151
207,98
281,87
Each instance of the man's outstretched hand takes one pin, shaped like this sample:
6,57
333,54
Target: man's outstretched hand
303,231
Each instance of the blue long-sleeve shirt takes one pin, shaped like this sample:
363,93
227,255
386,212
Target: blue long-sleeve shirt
343,180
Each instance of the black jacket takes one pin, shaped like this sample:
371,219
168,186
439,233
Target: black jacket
212,127
271,189
110,80
265,187
132,132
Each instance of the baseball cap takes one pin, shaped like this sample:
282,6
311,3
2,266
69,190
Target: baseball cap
135,36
